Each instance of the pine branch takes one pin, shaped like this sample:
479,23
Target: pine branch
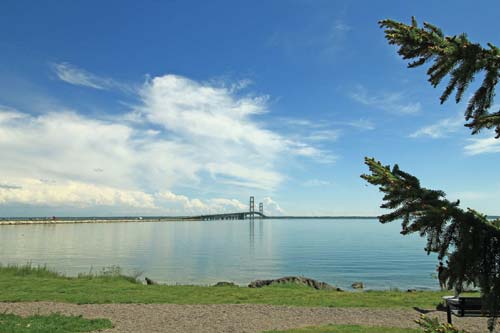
467,238
453,56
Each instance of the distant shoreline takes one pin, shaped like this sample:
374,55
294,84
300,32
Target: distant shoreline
27,221
74,220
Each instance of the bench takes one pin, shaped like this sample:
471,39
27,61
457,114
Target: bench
464,307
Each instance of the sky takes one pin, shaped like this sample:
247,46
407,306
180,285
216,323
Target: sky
190,107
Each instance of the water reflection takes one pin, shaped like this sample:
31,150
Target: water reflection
261,230
251,234
335,251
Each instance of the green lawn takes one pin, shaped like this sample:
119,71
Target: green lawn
26,283
348,329
54,323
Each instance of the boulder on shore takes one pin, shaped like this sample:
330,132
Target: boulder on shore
357,285
225,284
300,280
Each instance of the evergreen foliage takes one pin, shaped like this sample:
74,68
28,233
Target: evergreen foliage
469,241
457,57
467,238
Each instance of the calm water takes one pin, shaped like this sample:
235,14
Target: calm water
336,251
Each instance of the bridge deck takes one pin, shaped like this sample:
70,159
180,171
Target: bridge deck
228,216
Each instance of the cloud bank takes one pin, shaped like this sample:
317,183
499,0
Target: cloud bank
180,133
482,146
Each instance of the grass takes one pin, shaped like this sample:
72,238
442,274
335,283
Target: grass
27,283
348,329
50,324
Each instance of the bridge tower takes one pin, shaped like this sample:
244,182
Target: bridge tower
252,207
261,209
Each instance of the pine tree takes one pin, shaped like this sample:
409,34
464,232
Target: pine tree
469,241
457,57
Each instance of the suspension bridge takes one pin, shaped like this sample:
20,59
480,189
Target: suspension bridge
251,214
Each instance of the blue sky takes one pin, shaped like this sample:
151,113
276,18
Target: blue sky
184,107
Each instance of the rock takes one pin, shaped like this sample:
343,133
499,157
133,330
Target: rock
225,284
149,281
260,283
357,285
300,280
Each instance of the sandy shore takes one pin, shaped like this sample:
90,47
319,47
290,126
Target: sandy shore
232,317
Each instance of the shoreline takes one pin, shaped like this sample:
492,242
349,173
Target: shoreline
127,302
74,220
48,221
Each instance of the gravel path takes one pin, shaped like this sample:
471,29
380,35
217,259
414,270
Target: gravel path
231,317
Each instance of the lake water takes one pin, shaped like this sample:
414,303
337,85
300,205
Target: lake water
337,251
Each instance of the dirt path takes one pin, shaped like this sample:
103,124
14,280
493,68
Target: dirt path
231,317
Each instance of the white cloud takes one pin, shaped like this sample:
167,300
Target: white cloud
192,206
305,150
319,125
84,195
297,122
227,205
68,146
440,129
8,114
324,135
389,102
308,138
361,124
317,183
76,76
80,77
185,106
73,194
184,204
221,128
181,132
482,146
9,187
271,207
